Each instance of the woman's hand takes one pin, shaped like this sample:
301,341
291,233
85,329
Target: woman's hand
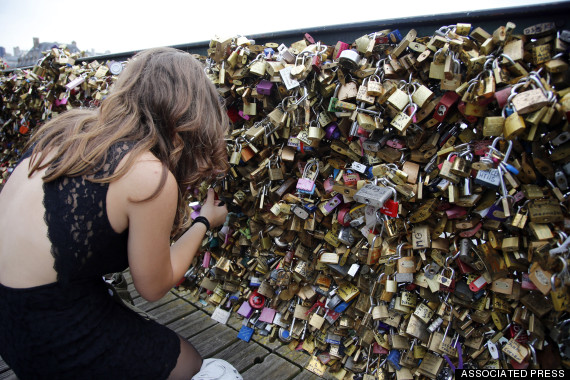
211,210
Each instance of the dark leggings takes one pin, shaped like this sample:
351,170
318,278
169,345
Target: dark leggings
188,364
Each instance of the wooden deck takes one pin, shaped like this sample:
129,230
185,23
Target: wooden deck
258,359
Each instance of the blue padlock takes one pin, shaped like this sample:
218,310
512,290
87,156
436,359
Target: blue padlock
342,306
394,359
245,333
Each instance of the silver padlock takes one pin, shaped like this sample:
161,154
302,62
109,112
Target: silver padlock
349,59
346,236
489,178
431,270
300,211
373,195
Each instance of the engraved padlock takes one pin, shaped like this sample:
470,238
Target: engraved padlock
402,120
373,195
391,206
374,86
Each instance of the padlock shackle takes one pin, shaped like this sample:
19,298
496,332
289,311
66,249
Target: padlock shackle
401,247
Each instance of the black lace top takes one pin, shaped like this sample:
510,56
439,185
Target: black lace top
76,212
73,329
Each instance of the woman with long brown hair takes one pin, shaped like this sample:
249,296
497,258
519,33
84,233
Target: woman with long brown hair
99,191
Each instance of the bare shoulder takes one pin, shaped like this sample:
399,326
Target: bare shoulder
144,177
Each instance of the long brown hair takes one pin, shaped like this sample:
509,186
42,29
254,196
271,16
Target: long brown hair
164,103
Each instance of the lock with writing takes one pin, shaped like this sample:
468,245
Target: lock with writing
373,195
390,206
374,85
221,315
403,120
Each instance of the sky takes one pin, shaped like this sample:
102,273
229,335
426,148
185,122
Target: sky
125,25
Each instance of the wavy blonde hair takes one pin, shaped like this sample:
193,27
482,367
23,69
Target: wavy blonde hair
162,102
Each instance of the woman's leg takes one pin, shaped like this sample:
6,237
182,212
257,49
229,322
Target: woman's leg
188,364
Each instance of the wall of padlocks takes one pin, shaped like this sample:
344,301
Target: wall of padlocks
397,203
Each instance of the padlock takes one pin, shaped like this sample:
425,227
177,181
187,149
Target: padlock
305,184
373,195
374,86
402,121
221,315
462,165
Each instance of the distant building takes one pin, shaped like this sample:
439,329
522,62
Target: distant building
35,53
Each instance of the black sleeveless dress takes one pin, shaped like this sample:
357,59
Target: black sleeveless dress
73,329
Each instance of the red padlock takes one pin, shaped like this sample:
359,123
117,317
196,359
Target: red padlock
502,96
445,103
461,107
472,231
464,268
390,208
256,300
350,179
477,284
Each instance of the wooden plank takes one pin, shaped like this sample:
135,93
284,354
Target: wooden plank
143,304
214,340
133,292
171,311
306,375
192,324
273,365
299,357
266,342
128,277
235,321
243,355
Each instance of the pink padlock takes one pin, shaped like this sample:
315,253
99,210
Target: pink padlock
456,212
60,102
245,310
206,261
396,143
328,184
342,46
267,315
243,116
264,87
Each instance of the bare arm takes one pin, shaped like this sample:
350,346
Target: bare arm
155,265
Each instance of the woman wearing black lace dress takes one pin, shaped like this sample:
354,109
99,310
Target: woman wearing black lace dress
103,190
